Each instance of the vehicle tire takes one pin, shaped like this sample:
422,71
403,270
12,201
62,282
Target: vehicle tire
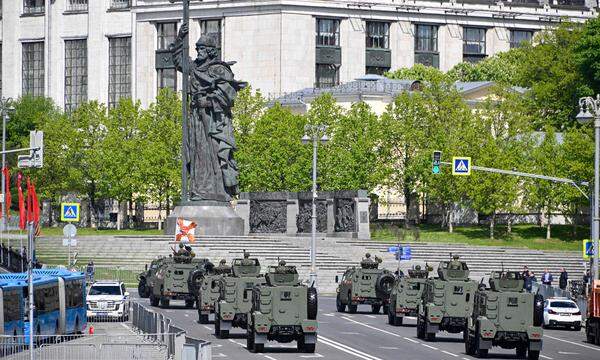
258,348
250,339
164,302
428,336
375,309
386,308
391,318
338,304
538,310
479,352
352,308
577,327
469,344
312,303
384,284
143,288
203,318
193,281
521,351
217,326
189,304
533,355
420,330
309,348
153,300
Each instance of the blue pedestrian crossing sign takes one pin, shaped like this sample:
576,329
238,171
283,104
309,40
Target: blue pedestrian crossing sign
461,165
588,249
404,252
69,211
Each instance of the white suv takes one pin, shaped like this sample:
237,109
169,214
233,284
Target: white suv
562,312
108,300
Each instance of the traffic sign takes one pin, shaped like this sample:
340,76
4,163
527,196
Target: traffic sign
393,249
405,252
461,165
437,158
69,242
588,249
69,230
69,211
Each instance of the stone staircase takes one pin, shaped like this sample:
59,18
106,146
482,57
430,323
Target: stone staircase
334,255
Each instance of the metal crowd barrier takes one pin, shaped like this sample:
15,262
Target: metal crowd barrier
160,329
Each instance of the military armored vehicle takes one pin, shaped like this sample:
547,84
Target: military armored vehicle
235,298
505,315
406,295
283,310
145,277
207,290
172,278
366,285
446,301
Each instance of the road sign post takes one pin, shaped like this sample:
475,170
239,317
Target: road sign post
69,231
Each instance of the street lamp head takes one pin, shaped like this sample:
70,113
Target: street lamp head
305,139
324,139
584,116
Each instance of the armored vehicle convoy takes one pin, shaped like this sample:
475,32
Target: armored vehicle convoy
505,315
235,298
145,277
207,289
171,280
446,301
366,285
283,310
406,295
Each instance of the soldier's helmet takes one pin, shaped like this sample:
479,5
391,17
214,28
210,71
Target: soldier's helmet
246,254
181,245
282,263
418,267
367,255
223,262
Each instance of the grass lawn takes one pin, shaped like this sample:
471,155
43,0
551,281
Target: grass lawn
525,236
58,231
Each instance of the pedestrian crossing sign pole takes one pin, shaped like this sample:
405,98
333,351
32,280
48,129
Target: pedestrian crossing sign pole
461,166
69,212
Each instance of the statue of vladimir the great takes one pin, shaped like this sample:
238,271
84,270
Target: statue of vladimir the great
210,144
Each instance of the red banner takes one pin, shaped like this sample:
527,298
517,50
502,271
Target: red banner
21,203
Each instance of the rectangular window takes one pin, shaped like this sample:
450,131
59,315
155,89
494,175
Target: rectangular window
120,4
119,70
376,70
327,75
166,78
212,28
378,35
473,44
426,38
77,5
33,68
166,33
517,37
76,75
328,32
33,6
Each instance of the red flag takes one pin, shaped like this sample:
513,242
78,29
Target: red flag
36,205
29,201
21,203
7,197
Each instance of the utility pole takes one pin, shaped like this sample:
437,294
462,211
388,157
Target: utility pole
315,133
5,108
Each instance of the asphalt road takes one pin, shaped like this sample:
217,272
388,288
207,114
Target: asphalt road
369,337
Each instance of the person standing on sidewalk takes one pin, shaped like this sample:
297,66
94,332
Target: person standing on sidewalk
547,278
562,281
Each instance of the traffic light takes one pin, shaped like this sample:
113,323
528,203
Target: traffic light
437,158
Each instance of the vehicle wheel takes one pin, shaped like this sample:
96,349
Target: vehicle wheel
309,348
164,302
258,348
521,351
533,355
469,345
250,339
338,304
143,288
386,308
224,334
375,309
312,303
189,304
420,330
217,326
428,336
391,318
153,300
352,308
479,352
203,318
577,327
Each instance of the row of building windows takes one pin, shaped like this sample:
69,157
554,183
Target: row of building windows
38,7
426,45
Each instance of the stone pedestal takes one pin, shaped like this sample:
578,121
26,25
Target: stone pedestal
212,218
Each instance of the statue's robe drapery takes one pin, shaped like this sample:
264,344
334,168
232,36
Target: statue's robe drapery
210,143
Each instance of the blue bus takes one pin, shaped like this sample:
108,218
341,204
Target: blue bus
72,299
47,304
11,308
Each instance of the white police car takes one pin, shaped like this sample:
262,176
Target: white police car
108,300
562,312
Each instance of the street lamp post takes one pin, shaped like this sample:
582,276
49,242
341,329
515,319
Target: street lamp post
5,108
589,109
315,133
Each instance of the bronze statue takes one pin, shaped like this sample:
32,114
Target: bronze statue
210,145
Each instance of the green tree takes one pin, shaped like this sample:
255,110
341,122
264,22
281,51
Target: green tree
502,68
587,54
421,73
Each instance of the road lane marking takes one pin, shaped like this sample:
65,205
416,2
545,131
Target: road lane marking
567,353
219,355
314,356
330,314
370,316
429,346
269,357
573,343
466,358
449,353
411,340
388,348
545,357
371,327
350,333
347,349
235,342
207,327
